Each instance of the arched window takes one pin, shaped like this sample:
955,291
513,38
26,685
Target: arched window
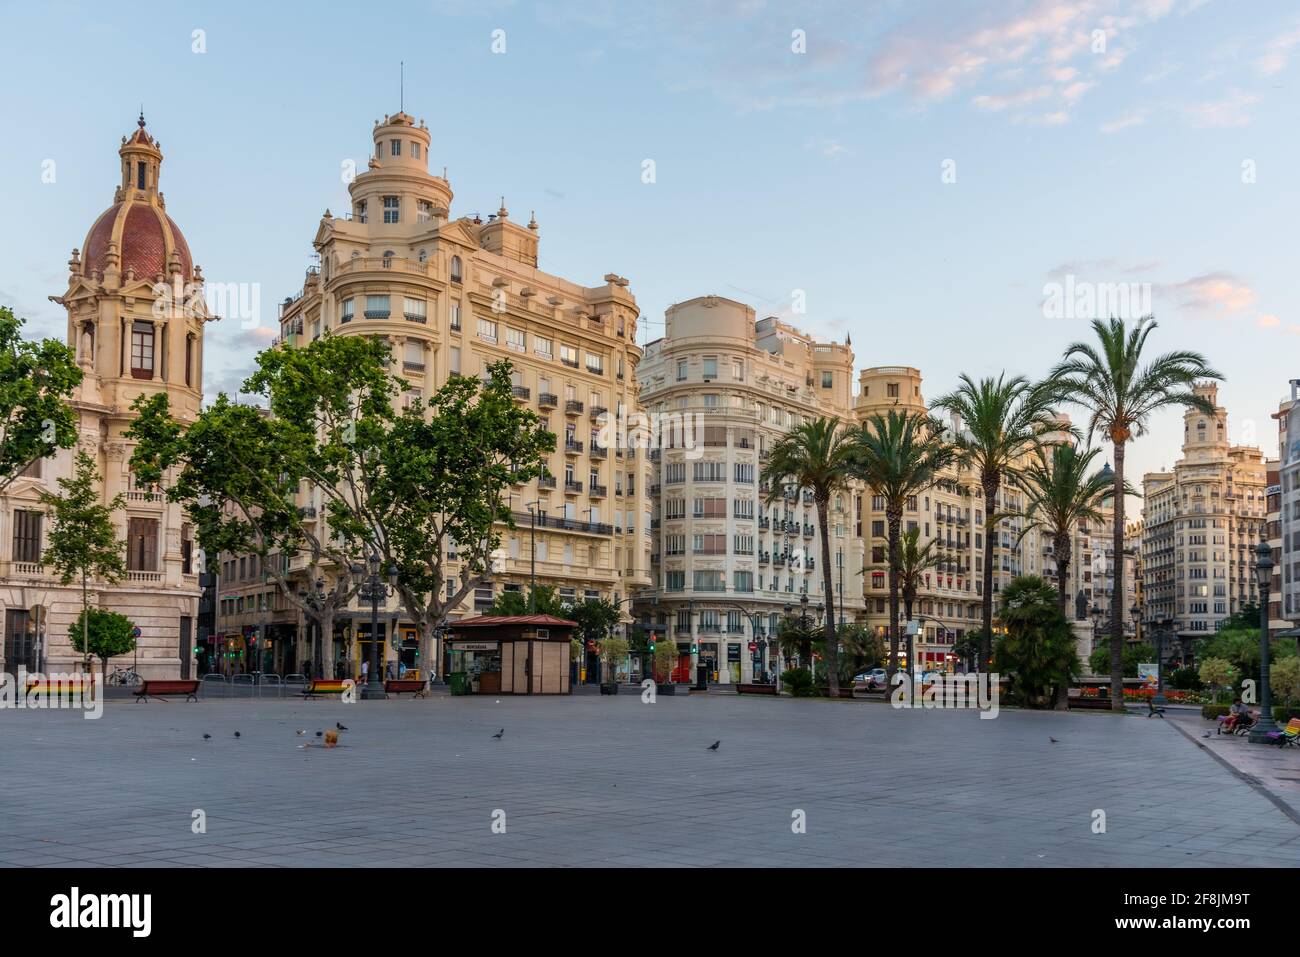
388,258
455,269
424,255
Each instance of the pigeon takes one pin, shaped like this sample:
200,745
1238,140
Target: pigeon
499,734
300,733
207,737
713,746
236,734
1052,739
319,733
1206,734
339,726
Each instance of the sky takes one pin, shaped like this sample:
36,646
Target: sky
931,178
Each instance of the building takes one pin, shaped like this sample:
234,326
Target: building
136,312
1201,524
455,294
1284,495
722,390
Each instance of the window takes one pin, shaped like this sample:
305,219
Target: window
455,360
595,364
681,370
453,314
392,209
709,544
743,581
360,215
674,473
891,390
737,370
710,508
675,581
543,346
423,211
743,544
415,150
27,536
455,269
415,310
710,472
189,360
515,339
742,508
142,334
569,356
710,367
710,580
142,545
377,307
395,147
745,473
828,380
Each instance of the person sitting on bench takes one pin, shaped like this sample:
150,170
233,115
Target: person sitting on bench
1238,716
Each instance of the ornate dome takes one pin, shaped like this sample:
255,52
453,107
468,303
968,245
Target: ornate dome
136,226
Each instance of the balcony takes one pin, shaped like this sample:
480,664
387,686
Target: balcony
764,523
764,557
654,489
808,531
597,411
377,313
547,400
597,491
410,366
546,481
522,392
307,511
572,447
573,407
415,317
571,363
598,451
572,487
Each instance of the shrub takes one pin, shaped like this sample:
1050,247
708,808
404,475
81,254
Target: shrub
1282,714
1211,711
1284,680
665,661
799,682
1185,679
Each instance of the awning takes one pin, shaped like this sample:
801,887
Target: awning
1289,633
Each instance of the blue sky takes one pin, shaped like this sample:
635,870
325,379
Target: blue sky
1100,139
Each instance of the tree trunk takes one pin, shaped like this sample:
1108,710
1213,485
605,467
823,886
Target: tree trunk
1062,601
828,586
990,484
1117,596
894,520
85,625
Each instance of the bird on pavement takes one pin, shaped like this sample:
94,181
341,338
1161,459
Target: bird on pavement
1206,734
339,726
499,734
207,737
319,733
713,746
300,732
236,734
1052,739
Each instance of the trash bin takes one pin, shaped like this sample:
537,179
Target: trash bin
701,678
458,682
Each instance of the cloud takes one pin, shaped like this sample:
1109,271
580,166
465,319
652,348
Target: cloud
996,103
1219,292
1122,122
1277,52
827,147
1231,110
1268,321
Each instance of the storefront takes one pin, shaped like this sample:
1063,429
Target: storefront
510,654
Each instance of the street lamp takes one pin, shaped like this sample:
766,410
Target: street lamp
315,599
374,590
1264,576
1096,613
1159,697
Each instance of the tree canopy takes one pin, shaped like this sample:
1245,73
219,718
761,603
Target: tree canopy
36,381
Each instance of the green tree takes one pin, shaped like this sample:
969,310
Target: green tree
1002,421
1134,655
596,619
1037,650
544,600
104,634
899,455
665,660
1108,378
240,470
1284,680
863,646
796,641
1217,673
1059,496
443,476
613,650
1240,647
813,456
83,543
36,381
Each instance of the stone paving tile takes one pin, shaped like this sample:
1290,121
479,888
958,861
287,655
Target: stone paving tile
613,782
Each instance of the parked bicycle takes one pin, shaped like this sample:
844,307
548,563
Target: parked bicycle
124,676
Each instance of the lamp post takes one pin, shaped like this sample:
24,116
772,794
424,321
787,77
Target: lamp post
1159,697
1264,576
374,590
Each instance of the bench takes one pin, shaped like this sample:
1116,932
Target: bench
158,688
755,689
1152,710
83,684
401,686
323,686
1289,735
1099,703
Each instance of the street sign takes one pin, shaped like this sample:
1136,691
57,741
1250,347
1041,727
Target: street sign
753,646
136,632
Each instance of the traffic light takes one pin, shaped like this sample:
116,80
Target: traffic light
695,649
651,643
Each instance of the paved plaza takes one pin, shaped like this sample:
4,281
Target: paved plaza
589,780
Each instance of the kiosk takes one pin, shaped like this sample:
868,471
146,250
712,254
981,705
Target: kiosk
511,654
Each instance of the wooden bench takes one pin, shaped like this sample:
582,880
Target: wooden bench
755,689
83,684
1099,703
401,686
323,686
158,688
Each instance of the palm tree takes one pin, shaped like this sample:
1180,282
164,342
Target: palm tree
1000,421
1108,379
914,560
813,455
898,455
1060,495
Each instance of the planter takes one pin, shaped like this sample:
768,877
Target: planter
825,691
608,688
666,688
